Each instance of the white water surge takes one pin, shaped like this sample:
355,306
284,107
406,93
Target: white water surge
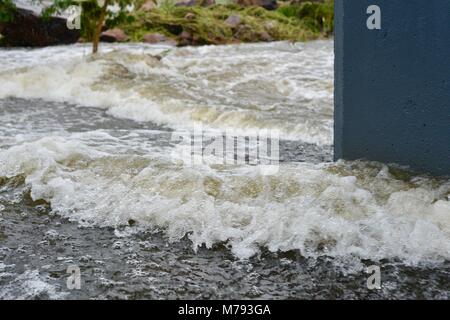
109,177
276,86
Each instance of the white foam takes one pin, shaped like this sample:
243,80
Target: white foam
31,285
342,210
240,87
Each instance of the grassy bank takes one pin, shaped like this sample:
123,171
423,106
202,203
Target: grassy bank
195,25
208,25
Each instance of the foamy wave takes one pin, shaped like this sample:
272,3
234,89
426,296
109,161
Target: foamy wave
240,87
31,285
344,210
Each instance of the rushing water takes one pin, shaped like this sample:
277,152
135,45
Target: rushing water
88,178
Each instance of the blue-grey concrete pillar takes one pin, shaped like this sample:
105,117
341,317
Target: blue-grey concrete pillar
392,82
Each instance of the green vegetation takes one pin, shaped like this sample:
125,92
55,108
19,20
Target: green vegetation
166,6
318,17
7,8
198,25
207,25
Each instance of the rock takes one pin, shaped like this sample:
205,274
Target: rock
29,30
170,42
266,4
192,3
186,3
185,39
265,36
113,35
148,5
185,35
158,38
233,21
154,38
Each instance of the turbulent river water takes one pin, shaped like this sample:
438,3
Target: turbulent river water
88,177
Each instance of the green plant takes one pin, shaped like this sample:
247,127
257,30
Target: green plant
206,25
317,16
225,2
7,9
167,6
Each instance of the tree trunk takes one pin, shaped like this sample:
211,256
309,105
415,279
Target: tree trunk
98,29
